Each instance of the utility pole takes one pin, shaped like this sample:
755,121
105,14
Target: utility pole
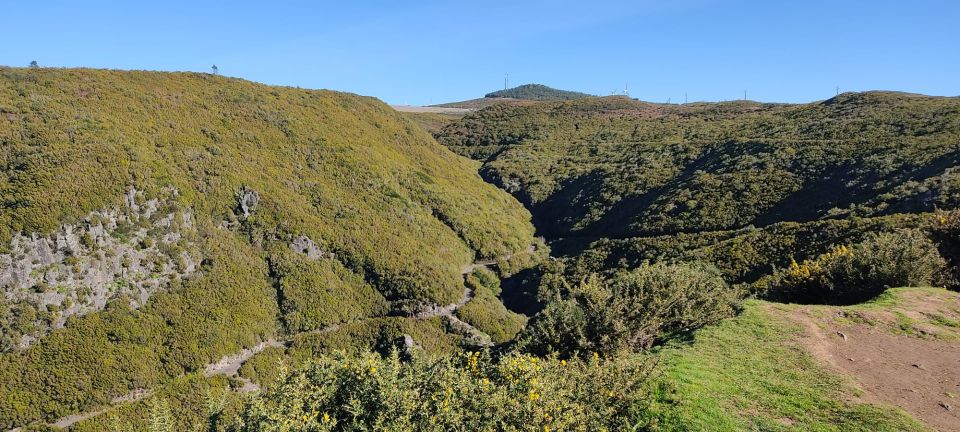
744,95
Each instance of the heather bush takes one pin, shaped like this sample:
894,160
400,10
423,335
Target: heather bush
468,392
847,275
630,310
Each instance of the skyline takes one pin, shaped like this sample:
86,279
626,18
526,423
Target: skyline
434,52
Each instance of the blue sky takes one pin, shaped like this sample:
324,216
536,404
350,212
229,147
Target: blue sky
438,51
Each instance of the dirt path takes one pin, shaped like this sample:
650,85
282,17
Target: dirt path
907,362
230,365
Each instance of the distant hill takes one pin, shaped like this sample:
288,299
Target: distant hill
522,95
538,92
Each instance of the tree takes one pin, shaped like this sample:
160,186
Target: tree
216,71
33,64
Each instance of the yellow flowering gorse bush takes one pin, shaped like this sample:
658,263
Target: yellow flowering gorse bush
467,392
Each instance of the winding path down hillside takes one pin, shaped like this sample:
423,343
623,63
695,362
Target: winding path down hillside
230,365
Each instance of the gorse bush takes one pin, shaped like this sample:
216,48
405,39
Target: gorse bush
847,275
743,256
630,310
468,392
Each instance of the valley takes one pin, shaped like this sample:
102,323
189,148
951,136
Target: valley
187,251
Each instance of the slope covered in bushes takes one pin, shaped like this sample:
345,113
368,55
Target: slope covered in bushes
309,208
616,168
537,92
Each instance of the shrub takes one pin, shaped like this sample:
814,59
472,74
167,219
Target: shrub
463,392
486,312
631,310
847,275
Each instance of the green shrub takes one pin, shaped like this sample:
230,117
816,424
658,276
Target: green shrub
848,275
486,312
468,392
184,404
318,293
631,310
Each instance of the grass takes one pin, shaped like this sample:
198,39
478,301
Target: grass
749,373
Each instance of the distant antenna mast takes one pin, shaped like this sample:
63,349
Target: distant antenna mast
506,81
744,95
838,90
684,98
626,89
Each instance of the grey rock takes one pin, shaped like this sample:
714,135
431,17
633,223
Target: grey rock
76,278
304,245
248,200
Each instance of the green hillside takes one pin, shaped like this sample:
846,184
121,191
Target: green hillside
645,174
183,251
538,92
225,212
526,94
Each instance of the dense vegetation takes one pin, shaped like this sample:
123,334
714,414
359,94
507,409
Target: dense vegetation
466,392
371,280
848,275
311,208
617,168
629,311
613,183
537,92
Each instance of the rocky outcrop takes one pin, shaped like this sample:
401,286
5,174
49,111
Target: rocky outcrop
114,254
247,201
303,245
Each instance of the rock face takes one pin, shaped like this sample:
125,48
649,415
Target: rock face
248,199
128,253
302,244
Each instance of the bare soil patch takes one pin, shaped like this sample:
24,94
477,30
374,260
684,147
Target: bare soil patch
907,355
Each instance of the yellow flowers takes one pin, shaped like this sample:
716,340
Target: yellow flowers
807,270
326,418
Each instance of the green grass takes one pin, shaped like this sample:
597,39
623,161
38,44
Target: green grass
749,373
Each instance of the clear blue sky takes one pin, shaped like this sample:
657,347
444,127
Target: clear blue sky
437,51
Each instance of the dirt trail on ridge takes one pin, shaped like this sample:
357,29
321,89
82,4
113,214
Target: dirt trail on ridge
901,356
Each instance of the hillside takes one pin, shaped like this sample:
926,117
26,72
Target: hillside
538,92
635,172
773,367
183,251
153,223
522,95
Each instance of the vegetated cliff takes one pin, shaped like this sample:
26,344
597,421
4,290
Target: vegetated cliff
165,220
